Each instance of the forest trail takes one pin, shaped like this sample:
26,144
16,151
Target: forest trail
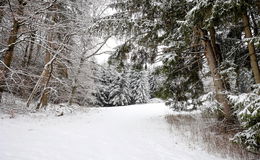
137,132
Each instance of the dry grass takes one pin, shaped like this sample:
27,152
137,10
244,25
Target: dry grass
210,135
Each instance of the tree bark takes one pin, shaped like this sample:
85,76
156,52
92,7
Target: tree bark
251,48
25,54
215,48
44,78
46,75
43,102
38,49
218,83
8,55
72,94
75,80
2,4
31,48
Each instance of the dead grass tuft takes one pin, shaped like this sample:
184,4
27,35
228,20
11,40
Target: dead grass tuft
210,134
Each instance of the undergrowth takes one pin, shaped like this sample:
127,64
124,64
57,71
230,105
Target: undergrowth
210,134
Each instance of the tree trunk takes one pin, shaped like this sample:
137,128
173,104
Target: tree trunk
8,55
217,52
251,48
75,80
215,48
72,94
31,48
47,70
2,4
38,50
46,76
218,83
25,54
43,102
44,79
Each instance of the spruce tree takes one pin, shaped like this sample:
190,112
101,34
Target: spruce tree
119,94
105,79
150,28
140,87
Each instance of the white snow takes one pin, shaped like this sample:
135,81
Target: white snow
137,132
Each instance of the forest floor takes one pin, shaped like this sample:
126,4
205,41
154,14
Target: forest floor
137,132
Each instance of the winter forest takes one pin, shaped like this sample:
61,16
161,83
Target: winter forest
117,74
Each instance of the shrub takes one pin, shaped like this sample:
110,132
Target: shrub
247,110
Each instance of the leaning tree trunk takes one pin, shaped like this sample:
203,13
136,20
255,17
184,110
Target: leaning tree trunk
44,98
218,83
251,48
44,78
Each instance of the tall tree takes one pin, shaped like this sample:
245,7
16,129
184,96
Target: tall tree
8,55
150,28
251,47
160,24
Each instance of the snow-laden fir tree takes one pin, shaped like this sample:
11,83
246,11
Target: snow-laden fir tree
119,91
105,77
140,89
151,28
156,82
186,34
247,109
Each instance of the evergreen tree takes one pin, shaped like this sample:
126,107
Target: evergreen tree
120,91
105,79
184,35
152,27
156,82
140,87
113,87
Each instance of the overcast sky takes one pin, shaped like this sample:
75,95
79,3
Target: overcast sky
109,46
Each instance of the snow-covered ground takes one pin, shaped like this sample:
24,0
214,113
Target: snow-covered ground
137,132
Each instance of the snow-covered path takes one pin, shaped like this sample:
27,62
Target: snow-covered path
136,132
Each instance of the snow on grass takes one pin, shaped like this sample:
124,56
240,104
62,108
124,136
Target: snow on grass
137,132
